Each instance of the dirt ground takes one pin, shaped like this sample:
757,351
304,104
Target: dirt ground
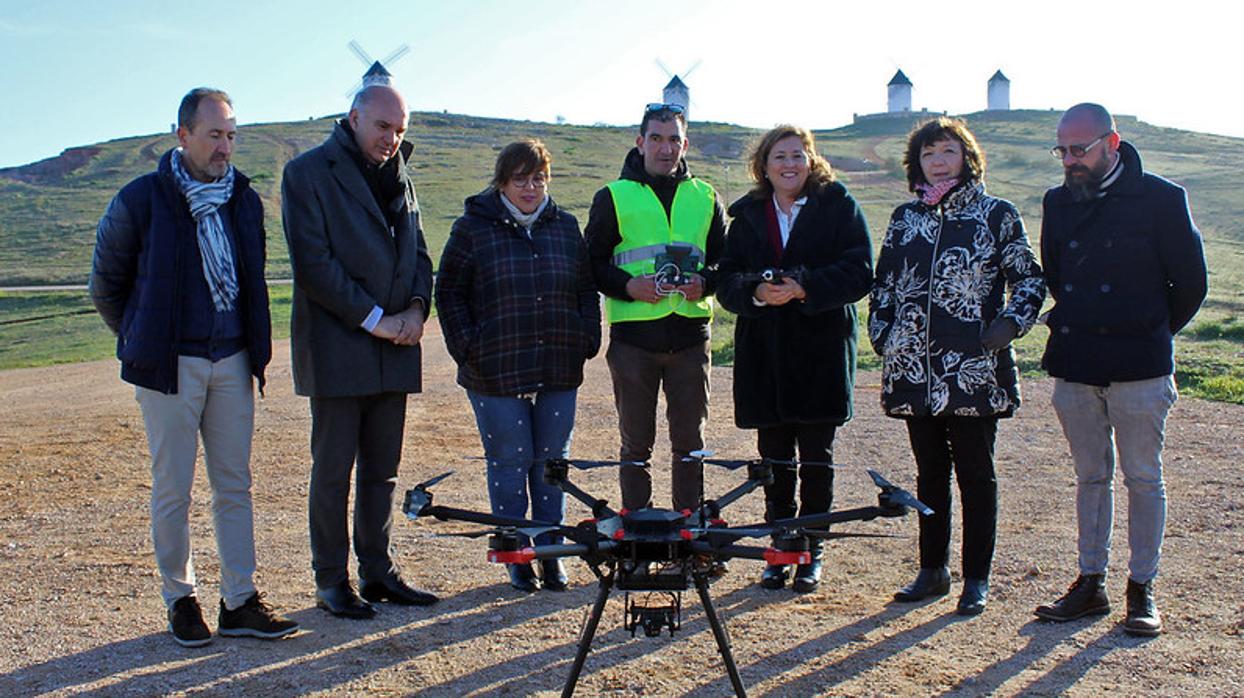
80,611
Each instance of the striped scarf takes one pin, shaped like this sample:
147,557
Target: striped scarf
204,198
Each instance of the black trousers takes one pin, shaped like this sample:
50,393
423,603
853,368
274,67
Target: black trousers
816,482
366,430
966,445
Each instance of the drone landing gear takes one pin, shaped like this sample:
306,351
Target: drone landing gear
593,621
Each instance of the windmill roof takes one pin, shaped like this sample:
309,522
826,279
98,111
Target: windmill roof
377,69
899,79
675,82
998,76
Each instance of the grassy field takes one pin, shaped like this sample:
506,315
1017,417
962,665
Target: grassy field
48,211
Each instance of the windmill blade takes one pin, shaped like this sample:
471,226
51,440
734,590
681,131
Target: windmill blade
394,57
664,68
354,89
358,51
687,73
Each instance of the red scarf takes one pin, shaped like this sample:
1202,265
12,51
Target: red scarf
932,194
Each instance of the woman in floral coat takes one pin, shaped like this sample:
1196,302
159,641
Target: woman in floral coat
940,317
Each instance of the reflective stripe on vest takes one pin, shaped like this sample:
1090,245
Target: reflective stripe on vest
646,230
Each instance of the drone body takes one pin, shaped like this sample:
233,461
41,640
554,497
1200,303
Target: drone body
656,554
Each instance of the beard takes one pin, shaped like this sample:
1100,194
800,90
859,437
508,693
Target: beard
1081,182
1084,182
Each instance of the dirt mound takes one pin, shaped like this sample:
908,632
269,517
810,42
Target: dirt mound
82,612
52,170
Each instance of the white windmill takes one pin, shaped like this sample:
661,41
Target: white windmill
377,71
676,90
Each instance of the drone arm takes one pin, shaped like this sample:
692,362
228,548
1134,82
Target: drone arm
750,552
599,507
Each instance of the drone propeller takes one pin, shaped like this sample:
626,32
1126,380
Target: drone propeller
590,464
736,463
529,531
898,495
419,497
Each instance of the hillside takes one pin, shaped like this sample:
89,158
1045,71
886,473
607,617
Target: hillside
48,210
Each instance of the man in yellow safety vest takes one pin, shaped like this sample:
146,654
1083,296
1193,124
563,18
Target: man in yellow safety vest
655,236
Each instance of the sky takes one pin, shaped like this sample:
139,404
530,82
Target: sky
77,72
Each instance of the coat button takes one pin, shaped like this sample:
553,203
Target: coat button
1073,244
1064,330
1108,244
1067,288
1105,288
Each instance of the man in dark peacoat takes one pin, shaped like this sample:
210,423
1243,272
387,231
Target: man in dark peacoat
362,284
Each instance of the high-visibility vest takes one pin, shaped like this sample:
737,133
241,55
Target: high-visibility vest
647,231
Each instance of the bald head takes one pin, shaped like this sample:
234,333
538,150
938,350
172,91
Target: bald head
1089,114
378,117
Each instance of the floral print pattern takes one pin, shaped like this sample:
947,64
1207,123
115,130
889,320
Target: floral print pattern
942,278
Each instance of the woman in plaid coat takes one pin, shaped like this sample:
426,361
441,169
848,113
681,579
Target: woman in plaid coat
520,316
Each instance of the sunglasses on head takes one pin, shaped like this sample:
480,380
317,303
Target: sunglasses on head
658,107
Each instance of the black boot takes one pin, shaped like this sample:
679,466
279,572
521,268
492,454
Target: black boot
972,599
554,575
1085,597
522,577
931,581
1143,618
808,577
775,576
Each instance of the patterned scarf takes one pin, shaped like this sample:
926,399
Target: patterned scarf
204,198
931,194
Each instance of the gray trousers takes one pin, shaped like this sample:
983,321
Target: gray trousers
637,376
346,430
216,400
1130,418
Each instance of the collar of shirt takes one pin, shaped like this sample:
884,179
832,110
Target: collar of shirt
786,222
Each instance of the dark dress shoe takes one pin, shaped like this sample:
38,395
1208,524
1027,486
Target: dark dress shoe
554,575
341,601
522,577
1085,597
394,589
774,576
972,600
807,577
932,581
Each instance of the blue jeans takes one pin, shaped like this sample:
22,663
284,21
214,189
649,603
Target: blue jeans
519,434
1129,417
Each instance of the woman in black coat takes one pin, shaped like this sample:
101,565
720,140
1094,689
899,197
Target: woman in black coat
940,317
797,258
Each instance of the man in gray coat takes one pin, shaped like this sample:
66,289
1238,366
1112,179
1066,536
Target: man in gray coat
362,282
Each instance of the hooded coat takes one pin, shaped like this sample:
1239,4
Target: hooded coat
519,311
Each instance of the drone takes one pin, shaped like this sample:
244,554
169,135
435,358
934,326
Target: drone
656,554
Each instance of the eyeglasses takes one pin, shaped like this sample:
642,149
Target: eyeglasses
538,181
658,106
1077,151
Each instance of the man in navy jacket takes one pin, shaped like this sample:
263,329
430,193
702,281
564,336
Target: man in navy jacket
1125,265
178,276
